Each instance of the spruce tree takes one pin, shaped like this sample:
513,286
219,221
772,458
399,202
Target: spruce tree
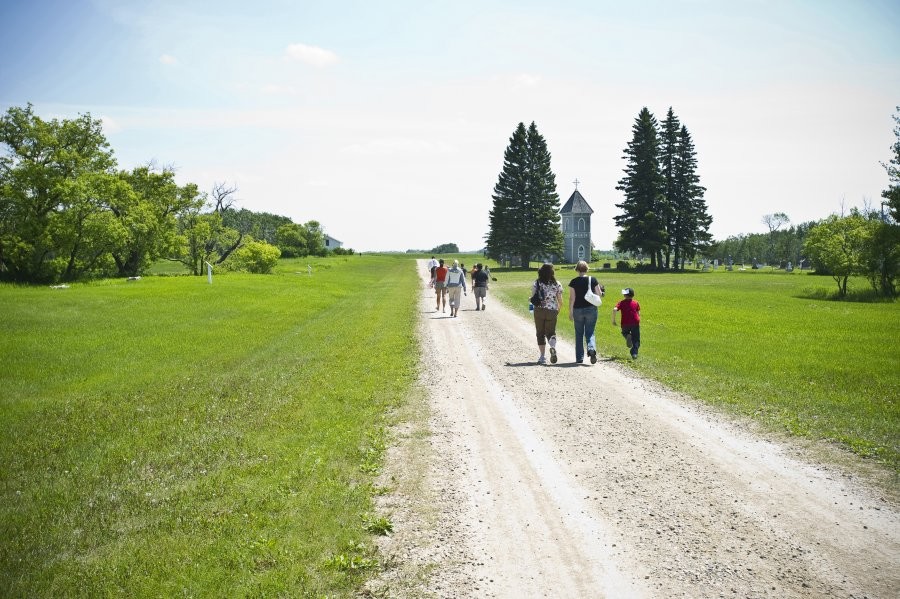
641,222
524,220
505,219
668,158
690,227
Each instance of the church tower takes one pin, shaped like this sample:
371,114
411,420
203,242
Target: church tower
576,228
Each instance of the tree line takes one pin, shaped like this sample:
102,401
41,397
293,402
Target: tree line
664,215
67,212
863,242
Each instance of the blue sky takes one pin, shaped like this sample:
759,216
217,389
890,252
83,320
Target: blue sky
387,121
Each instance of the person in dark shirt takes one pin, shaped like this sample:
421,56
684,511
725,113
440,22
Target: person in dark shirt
480,280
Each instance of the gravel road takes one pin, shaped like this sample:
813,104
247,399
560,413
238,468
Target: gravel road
510,479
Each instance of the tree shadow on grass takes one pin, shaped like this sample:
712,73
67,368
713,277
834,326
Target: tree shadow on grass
863,296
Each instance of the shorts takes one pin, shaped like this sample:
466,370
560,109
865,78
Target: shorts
480,292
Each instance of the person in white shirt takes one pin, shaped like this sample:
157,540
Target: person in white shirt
431,265
456,284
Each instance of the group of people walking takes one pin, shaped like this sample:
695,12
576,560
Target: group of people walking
547,300
585,292
450,283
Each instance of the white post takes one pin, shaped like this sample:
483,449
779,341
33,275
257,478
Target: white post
309,269
209,272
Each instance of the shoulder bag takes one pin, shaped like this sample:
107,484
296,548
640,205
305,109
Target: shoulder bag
589,295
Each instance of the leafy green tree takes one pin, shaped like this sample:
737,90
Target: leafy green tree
838,244
290,238
150,217
262,226
642,221
315,238
86,232
202,237
48,168
524,220
445,248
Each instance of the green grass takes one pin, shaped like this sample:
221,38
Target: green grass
762,344
170,437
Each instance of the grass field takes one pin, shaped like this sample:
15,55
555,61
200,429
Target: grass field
170,437
761,344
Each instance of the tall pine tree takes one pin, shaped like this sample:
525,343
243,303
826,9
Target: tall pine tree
668,158
690,226
642,221
524,220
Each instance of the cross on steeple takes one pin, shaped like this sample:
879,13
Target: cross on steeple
576,182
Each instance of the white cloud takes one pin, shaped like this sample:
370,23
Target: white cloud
311,55
527,80
168,59
110,125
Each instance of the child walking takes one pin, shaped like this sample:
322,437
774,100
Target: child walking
631,321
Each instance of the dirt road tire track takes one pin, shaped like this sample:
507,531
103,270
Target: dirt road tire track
518,480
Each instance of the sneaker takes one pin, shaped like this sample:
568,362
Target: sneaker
483,306
593,354
553,355
542,360
628,341
634,356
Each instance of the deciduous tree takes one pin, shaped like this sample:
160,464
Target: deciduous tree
50,167
838,244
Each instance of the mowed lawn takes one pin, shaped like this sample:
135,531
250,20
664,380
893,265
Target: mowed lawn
170,437
761,344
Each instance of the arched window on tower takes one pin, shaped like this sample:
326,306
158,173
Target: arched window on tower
582,225
581,252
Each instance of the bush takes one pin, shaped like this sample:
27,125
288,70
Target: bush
257,257
623,265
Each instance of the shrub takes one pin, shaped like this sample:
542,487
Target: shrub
257,257
623,265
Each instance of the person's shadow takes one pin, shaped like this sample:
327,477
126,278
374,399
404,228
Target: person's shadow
547,365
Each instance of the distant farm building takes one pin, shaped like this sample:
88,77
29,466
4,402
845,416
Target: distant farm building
331,243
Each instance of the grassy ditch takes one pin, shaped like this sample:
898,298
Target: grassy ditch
764,345
171,437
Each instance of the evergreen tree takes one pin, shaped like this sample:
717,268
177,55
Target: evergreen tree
892,193
668,162
524,220
505,220
642,223
543,236
689,230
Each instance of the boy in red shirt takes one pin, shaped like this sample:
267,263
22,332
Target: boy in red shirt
631,321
